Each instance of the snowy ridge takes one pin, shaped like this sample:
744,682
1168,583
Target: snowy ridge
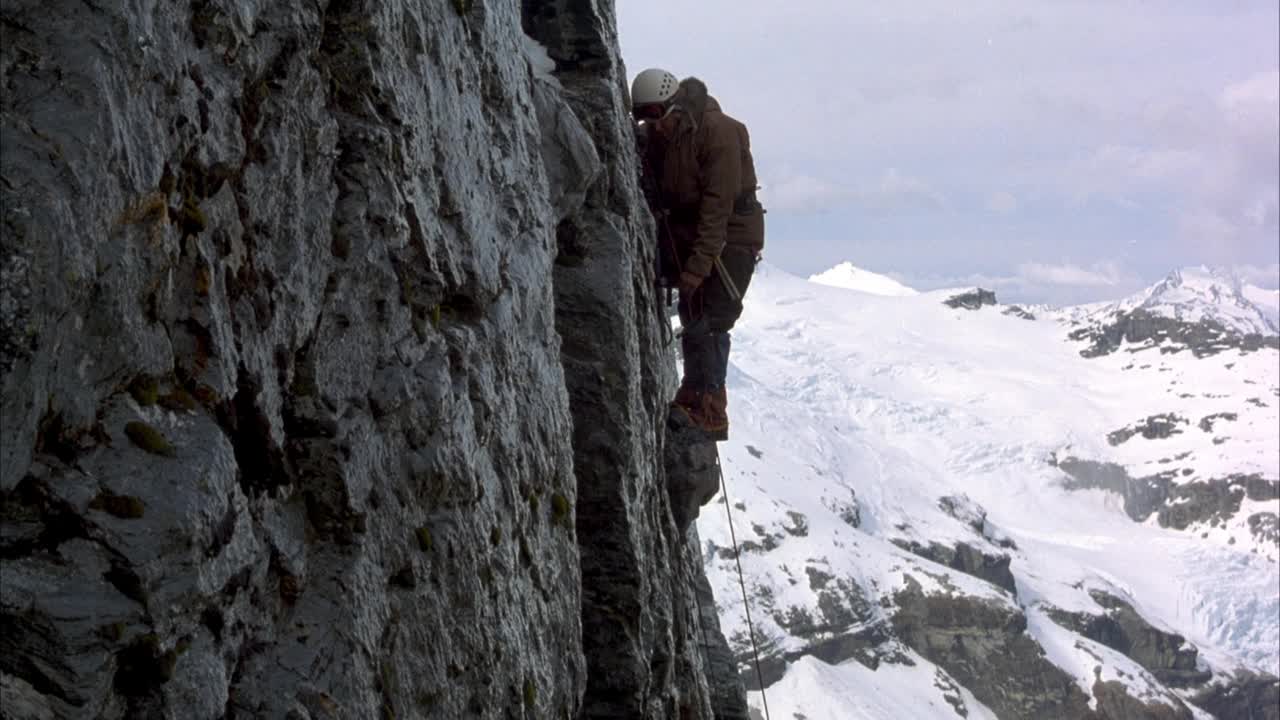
873,436
1267,301
850,277
1197,294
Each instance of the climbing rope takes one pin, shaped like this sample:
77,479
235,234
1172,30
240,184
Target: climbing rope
746,606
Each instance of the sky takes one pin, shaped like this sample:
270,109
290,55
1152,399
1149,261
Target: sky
1060,152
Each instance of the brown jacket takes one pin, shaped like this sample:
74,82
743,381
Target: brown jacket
708,180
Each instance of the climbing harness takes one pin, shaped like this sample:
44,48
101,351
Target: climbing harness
746,606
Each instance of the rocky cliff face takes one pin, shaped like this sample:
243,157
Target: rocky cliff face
330,379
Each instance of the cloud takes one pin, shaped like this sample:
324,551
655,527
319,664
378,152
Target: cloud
1121,173
892,192
1102,274
1144,164
1263,276
803,193
1002,203
1033,282
1251,104
895,191
1068,275
1214,179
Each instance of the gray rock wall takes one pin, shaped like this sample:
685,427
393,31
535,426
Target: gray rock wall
288,426
642,619
984,646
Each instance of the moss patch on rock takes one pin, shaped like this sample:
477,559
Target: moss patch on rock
149,439
178,401
560,510
530,693
126,507
145,390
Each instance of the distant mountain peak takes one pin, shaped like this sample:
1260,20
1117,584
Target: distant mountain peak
1214,283
1201,309
1202,293
851,277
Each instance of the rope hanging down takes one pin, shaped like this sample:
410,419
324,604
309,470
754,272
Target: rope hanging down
746,606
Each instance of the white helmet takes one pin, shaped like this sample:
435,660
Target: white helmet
654,86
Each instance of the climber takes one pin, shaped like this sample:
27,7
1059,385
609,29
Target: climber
700,160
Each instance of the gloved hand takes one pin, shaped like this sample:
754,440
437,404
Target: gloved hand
689,282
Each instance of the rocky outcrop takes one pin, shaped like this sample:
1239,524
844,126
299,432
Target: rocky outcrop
692,465
1207,422
984,645
1165,655
843,625
331,379
1114,701
1265,527
728,693
973,515
1247,695
1146,330
968,559
871,646
1214,502
1019,312
971,300
1178,505
1155,427
641,632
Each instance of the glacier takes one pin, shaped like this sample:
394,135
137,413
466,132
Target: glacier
877,438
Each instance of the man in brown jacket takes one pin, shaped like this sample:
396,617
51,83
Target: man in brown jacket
707,211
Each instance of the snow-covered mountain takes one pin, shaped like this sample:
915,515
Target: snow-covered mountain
1199,309
850,277
1266,301
947,512
1200,293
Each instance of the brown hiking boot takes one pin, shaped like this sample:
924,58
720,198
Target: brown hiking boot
715,414
705,410
687,398
686,405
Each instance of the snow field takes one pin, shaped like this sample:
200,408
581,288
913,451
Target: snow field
843,399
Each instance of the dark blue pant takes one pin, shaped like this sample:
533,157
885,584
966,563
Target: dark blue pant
706,316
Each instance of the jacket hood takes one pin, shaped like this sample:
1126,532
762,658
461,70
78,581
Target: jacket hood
692,97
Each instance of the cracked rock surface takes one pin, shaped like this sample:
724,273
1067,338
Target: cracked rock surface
307,410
